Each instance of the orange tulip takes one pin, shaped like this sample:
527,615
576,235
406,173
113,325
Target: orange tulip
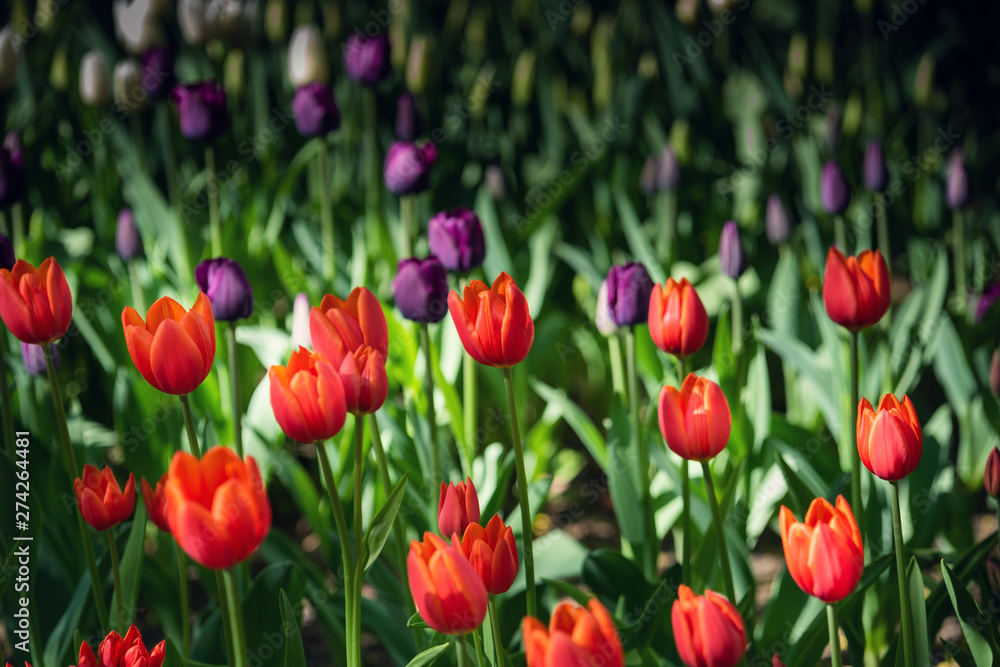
856,289
36,304
493,322
576,637
307,397
174,348
447,592
707,629
458,506
102,502
824,553
156,503
493,554
678,323
353,335
695,421
889,440
217,508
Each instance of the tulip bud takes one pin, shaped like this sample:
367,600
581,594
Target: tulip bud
12,178
10,58
833,127
446,590
202,110
458,507
34,358
629,287
890,442
524,78
494,181
227,287
300,322
876,176
421,289
137,25
991,478
59,71
668,171
647,179
824,553
678,322
994,372
408,124
307,397
128,241
798,55
35,303
158,72
924,82
128,85
95,86
603,319
102,502
575,636
418,64
233,76
276,21
307,59
196,29
7,258
456,238
708,629
316,112
695,421
833,189
366,59
492,553
856,289
407,167
686,11
732,256
777,221
957,187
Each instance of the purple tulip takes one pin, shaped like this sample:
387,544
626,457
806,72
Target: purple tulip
408,167
629,289
366,59
7,258
777,221
315,110
421,289
227,287
408,125
989,297
957,186
128,241
647,179
876,176
158,72
12,178
732,257
668,170
202,108
456,238
833,189
34,358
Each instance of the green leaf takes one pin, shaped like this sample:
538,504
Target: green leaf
295,655
262,612
918,613
642,249
131,567
576,418
59,640
429,656
416,621
569,590
381,526
610,575
980,636
621,476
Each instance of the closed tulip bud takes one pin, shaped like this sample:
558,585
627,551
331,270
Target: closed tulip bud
668,170
695,421
777,221
117,651
833,189
7,258
833,119
137,25
494,181
128,84
217,508
824,553
316,111
417,65
732,256
12,177
686,11
307,59
155,500
36,304
991,478
276,21
678,322
524,78
923,83
995,373
196,28
227,287
128,241
34,358
575,636
366,59
173,348
102,502
603,320
647,179
458,507
889,440
876,176
95,81
708,630
408,125
421,289
300,321
629,289
407,168
492,552
307,397
493,322
202,109
446,590
10,59
158,77
856,289
957,185
456,238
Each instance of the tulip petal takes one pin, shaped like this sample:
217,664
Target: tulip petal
465,326
176,361
671,418
839,290
14,309
518,330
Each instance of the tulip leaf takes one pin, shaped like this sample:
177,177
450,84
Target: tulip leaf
576,418
381,526
262,612
918,613
621,476
429,656
295,655
611,575
131,568
568,590
416,621
642,249
61,636
979,635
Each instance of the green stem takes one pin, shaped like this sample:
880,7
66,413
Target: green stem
617,372
189,425
408,223
347,557
497,642
470,396
236,619
720,532
480,654
227,629
639,443
372,177
737,321
668,223
185,611
522,489
882,228
116,572
836,660
8,417
138,302
425,346
17,215
958,239
212,185
326,213
234,388
359,564
904,589
685,495
167,148
839,237
859,510
70,460
461,652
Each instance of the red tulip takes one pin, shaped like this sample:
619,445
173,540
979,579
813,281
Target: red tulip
307,397
353,335
707,629
448,593
458,506
576,637
118,651
856,289
493,322
695,421
678,323
889,440
156,503
991,478
36,304
824,553
493,554
776,661
174,348
217,508
102,502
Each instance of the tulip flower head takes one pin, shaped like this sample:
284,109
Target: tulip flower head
408,125
629,287
493,322
678,323
824,553
128,241
158,77
492,552
307,60
668,170
217,508
889,439
856,289
407,169
102,502
957,181
155,500
33,357
366,59
174,348
95,79
575,637
708,630
421,289
991,477
603,319
307,397
456,238
777,221
446,590
227,287
36,304
316,111
117,651
876,176
833,189
458,507
202,108
732,256
695,421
